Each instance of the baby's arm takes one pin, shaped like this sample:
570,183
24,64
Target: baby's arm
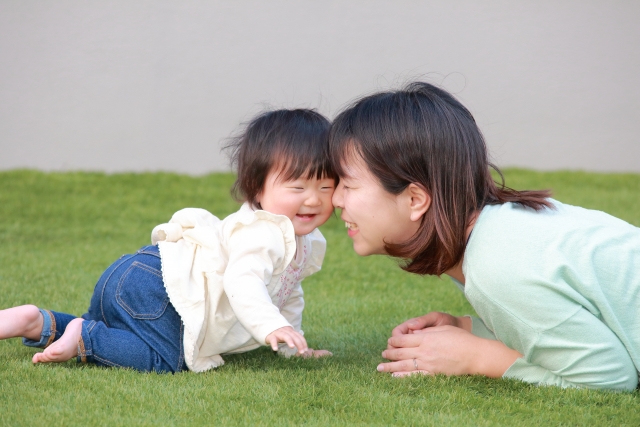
255,251
184,219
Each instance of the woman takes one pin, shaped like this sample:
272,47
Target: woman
556,287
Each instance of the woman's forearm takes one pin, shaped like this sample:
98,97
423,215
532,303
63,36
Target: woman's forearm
493,358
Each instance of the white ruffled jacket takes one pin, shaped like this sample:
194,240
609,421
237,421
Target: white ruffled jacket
234,281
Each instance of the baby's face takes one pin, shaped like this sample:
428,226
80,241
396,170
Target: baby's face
306,202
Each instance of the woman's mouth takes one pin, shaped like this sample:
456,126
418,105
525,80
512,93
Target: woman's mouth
353,228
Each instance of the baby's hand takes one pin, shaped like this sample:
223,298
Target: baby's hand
287,335
315,353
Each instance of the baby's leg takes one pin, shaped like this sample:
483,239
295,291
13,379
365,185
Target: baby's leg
96,343
63,349
115,347
130,322
23,321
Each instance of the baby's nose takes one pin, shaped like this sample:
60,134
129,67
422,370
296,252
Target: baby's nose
313,199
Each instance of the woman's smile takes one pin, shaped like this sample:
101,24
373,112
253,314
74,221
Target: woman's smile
353,228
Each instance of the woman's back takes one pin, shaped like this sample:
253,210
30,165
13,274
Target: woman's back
540,279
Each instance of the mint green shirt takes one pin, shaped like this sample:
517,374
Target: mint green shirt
563,288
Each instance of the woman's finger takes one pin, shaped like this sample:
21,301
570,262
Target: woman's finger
400,353
406,341
417,323
408,326
403,328
399,366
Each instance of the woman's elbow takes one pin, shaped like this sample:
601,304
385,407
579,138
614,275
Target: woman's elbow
628,381
624,378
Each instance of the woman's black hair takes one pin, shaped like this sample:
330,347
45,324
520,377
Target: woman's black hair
294,142
423,135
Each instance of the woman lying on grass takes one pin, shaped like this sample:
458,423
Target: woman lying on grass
210,287
556,287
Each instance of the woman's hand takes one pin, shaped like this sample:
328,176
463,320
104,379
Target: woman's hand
446,350
287,335
418,324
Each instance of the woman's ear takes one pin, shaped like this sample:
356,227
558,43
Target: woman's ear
420,201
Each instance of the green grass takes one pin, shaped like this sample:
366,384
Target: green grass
59,231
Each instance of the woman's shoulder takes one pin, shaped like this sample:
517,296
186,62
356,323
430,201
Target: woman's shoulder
560,214
515,228
508,227
525,258
510,244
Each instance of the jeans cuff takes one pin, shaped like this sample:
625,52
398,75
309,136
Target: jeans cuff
85,350
48,334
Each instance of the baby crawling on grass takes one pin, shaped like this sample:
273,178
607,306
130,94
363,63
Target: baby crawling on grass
208,287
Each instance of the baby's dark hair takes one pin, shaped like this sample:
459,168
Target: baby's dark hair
295,142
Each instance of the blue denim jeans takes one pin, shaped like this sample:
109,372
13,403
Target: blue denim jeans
130,322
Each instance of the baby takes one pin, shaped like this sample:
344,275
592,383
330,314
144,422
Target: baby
208,287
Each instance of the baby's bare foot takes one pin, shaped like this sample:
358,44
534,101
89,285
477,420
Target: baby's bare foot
22,321
65,348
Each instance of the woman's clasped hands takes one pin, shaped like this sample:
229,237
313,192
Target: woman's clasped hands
439,343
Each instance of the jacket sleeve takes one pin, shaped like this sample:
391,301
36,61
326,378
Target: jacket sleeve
255,251
184,219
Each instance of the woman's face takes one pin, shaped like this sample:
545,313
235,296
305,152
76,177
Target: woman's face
372,215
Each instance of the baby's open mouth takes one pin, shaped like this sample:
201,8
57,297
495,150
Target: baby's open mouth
305,216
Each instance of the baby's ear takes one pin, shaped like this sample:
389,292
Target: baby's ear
420,201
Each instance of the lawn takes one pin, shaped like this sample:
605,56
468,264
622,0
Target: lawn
59,231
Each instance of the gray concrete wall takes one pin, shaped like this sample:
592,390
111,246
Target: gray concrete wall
137,85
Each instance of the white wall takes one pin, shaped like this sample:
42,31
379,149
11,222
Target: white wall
133,85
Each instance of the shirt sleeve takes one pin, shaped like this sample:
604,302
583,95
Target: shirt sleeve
255,251
581,351
292,311
479,329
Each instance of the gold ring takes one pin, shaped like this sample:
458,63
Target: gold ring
415,364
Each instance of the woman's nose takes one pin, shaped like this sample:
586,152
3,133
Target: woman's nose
338,199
